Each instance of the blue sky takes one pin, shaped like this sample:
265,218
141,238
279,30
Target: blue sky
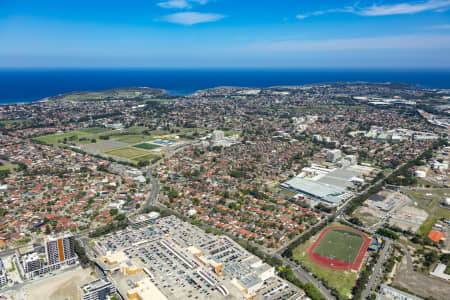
225,33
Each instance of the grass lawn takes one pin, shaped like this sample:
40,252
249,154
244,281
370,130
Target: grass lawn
427,201
130,138
128,152
99,95
425,183
85,134
442,212
287,193
73,136
148,157
340,244
311,109
443,192
231,132
342,281
431,204
427,225
147,146
9,167
94,130
88,134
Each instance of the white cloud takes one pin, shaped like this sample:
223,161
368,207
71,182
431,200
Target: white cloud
403,8
191,18
443,26
174,4
373,43
180,3
348,9
387,10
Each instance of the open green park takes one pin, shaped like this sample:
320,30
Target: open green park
135,143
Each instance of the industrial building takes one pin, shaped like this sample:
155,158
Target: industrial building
329,185
330,194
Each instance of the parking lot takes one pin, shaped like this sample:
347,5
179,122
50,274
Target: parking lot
184,262
277,289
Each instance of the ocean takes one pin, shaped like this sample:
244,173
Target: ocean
27,85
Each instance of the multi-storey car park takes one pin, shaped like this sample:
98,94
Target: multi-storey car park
176,260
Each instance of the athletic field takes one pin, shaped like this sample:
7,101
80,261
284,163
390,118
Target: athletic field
340,244
340,248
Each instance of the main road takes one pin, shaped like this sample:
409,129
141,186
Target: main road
153,196
305,277
377,269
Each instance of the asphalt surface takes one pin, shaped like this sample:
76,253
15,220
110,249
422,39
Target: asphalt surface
153,196
384,253
305,277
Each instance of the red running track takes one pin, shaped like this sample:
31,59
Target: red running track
336,264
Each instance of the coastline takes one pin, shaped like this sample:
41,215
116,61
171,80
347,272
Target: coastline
29,86
21,102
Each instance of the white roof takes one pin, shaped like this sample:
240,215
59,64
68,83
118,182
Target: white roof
147,290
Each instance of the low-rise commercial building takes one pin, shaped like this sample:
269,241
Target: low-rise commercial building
389,293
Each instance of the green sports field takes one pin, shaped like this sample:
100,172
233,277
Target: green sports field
128,152
340,244
147,146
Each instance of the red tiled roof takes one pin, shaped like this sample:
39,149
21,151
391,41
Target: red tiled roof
435,236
